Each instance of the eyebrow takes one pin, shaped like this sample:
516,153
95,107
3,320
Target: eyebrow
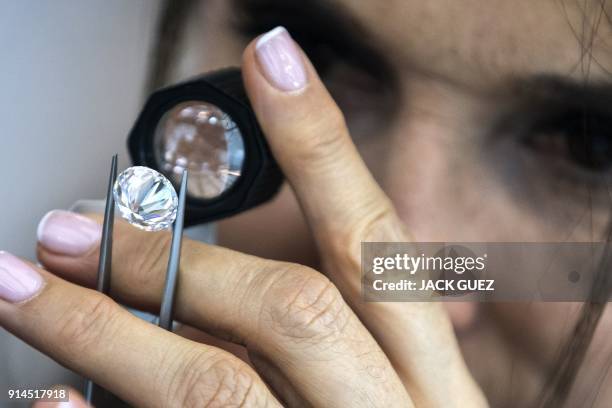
299,14
320,24
330,26
558,91
546,100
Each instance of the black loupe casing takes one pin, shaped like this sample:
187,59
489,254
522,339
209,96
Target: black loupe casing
260,177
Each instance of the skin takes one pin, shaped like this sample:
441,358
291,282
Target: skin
311,338
452,75
452,61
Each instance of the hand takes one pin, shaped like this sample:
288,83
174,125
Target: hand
310,340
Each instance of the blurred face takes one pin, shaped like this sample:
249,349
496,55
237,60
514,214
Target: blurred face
483,120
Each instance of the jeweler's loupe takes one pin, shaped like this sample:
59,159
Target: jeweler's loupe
206,126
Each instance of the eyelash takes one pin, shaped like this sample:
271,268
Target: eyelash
581,137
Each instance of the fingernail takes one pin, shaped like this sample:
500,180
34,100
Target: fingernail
67,233
65,404
18,281
280,60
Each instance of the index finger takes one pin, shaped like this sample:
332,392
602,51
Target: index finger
344,207
308,135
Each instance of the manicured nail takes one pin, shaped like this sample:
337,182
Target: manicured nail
18,281
68,233
280,60
65,404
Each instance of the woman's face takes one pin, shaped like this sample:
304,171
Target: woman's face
463,128
470,114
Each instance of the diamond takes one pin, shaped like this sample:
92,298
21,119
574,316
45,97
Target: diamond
145,198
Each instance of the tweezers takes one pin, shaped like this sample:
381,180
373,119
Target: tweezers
94,394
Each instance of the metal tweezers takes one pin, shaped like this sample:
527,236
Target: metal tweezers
94,394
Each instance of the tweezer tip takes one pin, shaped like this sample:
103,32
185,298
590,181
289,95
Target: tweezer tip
182,197
184,179
106,241
166,311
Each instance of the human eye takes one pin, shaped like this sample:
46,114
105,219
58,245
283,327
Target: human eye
562,133
579,136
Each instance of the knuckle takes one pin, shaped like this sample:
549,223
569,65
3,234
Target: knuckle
205,379
378,223
307,306
81,328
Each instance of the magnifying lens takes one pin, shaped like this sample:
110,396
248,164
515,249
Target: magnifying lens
206,125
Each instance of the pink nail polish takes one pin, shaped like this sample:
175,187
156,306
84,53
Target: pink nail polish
68,404
18,281
67,233
280,60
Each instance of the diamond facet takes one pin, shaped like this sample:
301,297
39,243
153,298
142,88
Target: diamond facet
145,198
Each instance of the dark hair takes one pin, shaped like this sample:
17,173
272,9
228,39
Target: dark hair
572,353
565,370
170,28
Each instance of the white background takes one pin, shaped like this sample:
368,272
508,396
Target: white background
71,83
